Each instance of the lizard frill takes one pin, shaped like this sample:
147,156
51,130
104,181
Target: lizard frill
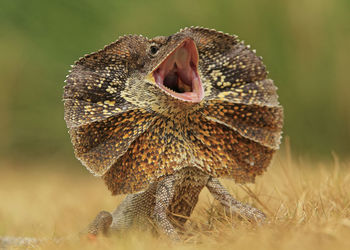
141,109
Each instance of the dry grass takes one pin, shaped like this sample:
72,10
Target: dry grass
308,205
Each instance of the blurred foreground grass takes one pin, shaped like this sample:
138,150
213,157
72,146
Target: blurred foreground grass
308,205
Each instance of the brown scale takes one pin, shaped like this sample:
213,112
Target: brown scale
138,122
162,153
99,144
259,123
227,153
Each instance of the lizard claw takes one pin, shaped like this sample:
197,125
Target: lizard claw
247,212
91,237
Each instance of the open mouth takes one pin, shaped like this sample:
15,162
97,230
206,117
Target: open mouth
177,75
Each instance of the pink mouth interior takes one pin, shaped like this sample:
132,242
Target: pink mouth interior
177,74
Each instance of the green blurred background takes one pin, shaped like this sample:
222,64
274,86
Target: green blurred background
305,45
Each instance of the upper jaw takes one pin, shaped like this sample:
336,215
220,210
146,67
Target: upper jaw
177,74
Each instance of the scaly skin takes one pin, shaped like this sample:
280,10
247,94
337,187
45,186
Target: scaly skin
162,150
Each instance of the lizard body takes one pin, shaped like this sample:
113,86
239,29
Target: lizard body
162,118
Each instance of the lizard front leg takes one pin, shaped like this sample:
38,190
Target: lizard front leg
134,209
164,195
231,204
137,209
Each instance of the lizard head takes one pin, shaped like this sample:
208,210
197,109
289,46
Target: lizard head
174,68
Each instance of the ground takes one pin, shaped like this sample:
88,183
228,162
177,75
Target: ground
307,203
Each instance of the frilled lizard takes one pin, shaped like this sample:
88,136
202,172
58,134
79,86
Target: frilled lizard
160,119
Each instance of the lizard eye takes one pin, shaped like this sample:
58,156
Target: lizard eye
153,49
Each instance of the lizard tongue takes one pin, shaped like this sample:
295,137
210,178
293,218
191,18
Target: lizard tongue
177,75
